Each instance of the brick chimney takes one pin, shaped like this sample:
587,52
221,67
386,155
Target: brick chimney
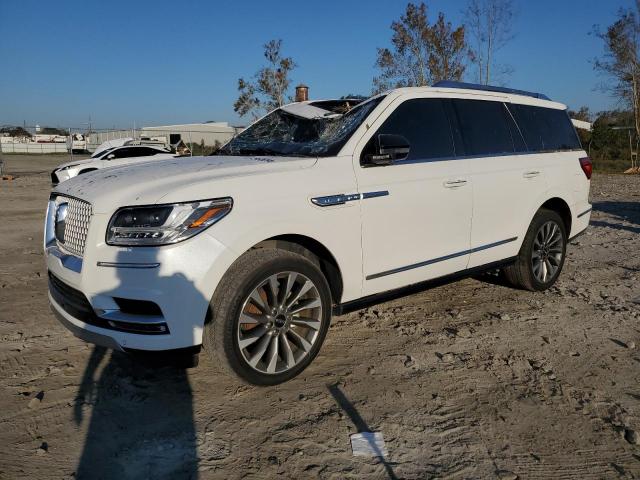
302,93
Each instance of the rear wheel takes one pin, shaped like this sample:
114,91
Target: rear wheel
542,254
270,315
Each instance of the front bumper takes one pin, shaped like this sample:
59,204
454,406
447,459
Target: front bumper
80,329
93,295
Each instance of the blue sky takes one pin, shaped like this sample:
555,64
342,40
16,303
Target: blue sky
164,62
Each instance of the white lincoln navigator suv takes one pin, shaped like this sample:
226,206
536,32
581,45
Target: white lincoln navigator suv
319,207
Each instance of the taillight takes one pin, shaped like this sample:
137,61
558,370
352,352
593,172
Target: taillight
587,166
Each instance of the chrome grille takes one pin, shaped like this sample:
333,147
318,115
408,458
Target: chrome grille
76,225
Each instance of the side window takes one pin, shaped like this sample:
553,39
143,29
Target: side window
561,134
121,152
529,124
484,126
145,151
545,128
424,123
138,152
519,144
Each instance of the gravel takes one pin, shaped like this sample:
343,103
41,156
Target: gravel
463,381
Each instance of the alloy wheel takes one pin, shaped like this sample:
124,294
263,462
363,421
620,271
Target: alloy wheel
279,322
547,252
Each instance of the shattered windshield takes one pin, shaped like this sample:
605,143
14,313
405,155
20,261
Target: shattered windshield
283,133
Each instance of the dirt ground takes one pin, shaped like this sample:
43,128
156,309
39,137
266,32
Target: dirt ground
469,380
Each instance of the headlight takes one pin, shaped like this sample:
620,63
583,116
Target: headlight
165,224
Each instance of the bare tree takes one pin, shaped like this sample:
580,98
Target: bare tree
270,84
489,25
421,53
620,62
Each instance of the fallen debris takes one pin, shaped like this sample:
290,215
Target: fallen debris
368,444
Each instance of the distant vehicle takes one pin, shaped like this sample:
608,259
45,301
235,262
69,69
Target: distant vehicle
111,157
156,141
316,209
48,138
76,143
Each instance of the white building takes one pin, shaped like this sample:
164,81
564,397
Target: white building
191,133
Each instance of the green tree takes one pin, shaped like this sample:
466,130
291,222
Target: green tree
15,131
584,114
421,53
270,85
620,63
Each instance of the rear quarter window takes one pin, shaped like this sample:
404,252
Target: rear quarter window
545,129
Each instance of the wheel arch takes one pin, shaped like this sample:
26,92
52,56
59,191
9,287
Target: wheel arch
304,244
561,207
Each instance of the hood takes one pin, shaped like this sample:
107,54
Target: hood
76,163
147,183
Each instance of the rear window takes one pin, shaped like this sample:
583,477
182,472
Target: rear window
484,127
545,129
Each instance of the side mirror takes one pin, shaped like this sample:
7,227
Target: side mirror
111,156
389,148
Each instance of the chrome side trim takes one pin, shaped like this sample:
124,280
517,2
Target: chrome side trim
80,332
71,262
585,212
339,199
49,224
116,315
380,193
128,265
439,259
342,198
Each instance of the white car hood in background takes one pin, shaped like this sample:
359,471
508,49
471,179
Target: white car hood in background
77,163
147,183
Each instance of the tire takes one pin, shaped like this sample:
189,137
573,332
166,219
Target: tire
247,290
546,239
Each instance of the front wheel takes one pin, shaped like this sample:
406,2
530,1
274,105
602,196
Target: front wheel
270,315
542,254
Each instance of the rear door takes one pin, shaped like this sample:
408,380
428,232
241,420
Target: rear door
506,181
549,132
416,213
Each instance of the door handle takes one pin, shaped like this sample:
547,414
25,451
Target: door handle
455,183
531,174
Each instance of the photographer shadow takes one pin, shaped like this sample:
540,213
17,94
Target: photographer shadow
141,421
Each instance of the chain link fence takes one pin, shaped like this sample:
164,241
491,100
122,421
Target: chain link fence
202,139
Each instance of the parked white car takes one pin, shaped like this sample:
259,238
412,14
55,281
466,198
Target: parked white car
111,157
310,212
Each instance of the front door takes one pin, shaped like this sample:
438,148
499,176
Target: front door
416,213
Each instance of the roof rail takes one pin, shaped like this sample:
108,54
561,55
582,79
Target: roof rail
488,88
